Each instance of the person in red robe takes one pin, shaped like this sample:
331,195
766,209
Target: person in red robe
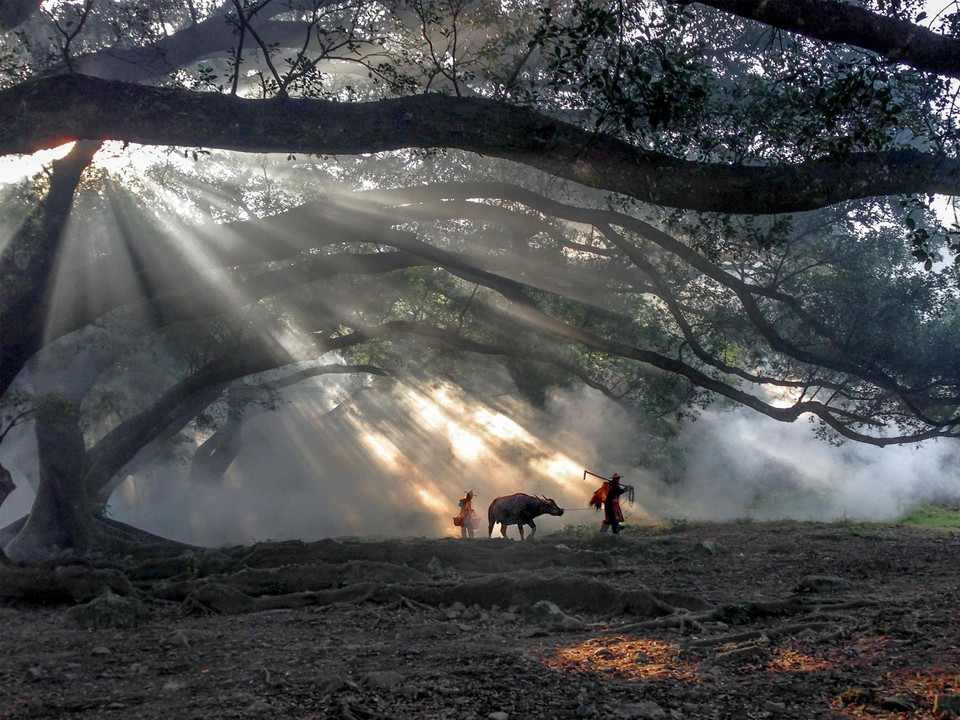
607,496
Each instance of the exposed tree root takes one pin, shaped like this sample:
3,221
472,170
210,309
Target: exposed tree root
351,709
572,593
415,576
139,544
74,583
741,612
405,603
230,601
283,580
829,607
771,633
112,540
677,619
484,557
66,578
599,572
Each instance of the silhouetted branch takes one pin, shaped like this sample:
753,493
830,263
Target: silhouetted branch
50,111
839,22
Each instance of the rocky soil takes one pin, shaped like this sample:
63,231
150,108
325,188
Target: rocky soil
782,620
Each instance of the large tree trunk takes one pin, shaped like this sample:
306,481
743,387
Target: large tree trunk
28,264
61,519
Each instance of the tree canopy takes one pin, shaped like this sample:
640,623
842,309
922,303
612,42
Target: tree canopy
670,202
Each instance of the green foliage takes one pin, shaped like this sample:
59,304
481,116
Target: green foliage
933,516
734,613
616,59
535,380
927,234
661,452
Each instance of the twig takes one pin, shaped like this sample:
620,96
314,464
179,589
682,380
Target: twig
68,36
17,420
245,21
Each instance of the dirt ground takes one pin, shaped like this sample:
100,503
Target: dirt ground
755,620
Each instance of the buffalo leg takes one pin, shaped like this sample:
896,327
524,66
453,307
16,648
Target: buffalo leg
520,525
503,529
533,529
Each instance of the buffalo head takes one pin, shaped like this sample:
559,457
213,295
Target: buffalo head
549,506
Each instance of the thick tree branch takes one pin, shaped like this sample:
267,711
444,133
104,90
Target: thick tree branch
664,292
121,444
369,223
528,312
456,340
837,22
51,111
843,360
119,447
212,37
197,303
177,283
837,419
214,455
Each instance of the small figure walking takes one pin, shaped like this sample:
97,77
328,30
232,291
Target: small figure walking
468,520
607,496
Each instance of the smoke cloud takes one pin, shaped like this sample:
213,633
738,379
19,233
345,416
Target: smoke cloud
741,464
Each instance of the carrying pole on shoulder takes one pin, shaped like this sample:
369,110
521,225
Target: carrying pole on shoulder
630,490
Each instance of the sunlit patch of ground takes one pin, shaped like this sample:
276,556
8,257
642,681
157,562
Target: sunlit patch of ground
648,659
919,687
640,658
870,695
785,660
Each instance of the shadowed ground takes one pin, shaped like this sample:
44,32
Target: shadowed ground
763,620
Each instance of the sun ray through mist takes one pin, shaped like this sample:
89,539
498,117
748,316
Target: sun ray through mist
191,257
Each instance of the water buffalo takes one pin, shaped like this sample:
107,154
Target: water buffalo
519,509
